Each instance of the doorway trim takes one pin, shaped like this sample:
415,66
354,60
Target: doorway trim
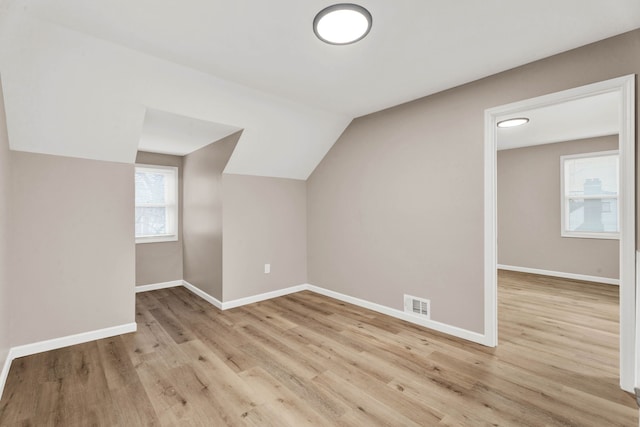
625,86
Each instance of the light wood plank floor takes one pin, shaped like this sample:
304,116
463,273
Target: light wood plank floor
305,359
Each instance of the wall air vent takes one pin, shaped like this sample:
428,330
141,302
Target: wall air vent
418,306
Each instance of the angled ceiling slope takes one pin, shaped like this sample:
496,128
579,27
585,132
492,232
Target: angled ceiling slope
73,95
169,133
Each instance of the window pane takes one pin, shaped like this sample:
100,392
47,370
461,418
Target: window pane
591,175
592,215
150,187
156,211
151,221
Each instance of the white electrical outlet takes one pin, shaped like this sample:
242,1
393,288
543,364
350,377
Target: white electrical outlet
267,268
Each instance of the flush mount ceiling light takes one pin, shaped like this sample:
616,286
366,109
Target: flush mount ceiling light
343,23
509,123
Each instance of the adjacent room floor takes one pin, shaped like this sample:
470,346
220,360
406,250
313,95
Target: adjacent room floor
305,359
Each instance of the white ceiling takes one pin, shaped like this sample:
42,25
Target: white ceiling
169,133
78,75
415,47
578,119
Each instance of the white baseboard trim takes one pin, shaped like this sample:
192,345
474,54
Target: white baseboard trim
5,371
262,297
202,294
55,343
561,274
156,286
226,305
399,314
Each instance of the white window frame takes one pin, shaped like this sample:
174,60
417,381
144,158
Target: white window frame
172,196
564,199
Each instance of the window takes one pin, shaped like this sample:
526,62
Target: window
590,185
156,204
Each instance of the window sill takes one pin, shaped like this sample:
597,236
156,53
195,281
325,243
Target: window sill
602,236
157,239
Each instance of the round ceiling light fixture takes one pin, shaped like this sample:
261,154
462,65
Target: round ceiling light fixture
343,23
510,123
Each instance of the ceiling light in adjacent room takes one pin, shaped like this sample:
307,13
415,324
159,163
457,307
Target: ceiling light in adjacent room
509,123
343,23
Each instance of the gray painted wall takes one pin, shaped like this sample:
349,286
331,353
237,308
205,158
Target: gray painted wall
264,222
202,214
396,206
72,252
5,304
162,261
529,220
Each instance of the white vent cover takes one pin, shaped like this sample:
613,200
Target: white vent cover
418,306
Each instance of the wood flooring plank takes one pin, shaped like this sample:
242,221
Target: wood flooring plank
225,344
130,403
258,314
215,375
167,402
299,360
380,391
321,402
365,410
21,393
172,325
280,400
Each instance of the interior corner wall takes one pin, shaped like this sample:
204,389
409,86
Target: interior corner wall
397,205
264,222
529,197
72,240
5,303
202,214
161,261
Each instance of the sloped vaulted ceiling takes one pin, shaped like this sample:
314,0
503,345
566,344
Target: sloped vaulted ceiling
78,76
74,95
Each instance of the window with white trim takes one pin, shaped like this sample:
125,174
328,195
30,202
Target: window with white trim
156,203
590,188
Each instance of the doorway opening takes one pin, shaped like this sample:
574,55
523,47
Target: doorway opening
623,89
